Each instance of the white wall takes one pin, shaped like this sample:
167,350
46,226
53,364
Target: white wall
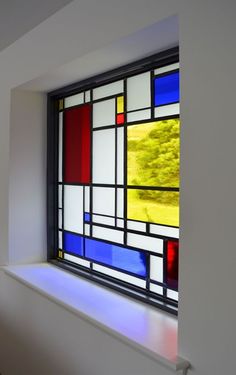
27,180
207,333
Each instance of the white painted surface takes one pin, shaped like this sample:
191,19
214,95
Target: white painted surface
127,317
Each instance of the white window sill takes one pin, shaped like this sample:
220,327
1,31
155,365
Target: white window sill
144,328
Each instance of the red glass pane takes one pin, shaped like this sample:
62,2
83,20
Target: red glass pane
172,263
120,118
77,144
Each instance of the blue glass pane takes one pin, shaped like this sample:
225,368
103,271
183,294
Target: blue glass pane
167,89
129,260
73,243
86,216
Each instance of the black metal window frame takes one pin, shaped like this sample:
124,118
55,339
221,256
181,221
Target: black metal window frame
150,63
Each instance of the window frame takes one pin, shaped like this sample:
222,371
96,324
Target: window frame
156,61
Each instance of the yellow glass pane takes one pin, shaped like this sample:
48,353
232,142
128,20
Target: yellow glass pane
161,207
60,254
120,104
153,154
61,106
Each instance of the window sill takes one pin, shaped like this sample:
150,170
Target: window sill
144,328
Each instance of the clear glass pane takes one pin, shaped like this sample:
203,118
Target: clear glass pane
153,154
161,207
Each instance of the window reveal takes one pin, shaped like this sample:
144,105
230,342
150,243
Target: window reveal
118,181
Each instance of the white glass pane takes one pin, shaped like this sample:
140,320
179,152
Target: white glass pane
108,90
108,234
76,260
87,229
138,92
156,268
87,96
164,231
87,199
104,113
73,208
104,156
104,201
120,275
136,225
59,196
60,135
103,220
60,240
144,242
74,100
167,110
156,289
139,115
120,223
120,202
120,156
60,219
172,294
167,68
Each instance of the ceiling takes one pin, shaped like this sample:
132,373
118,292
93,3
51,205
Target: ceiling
19,17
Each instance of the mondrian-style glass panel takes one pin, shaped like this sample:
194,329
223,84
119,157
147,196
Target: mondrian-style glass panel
117,196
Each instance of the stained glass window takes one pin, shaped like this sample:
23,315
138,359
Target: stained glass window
117,179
